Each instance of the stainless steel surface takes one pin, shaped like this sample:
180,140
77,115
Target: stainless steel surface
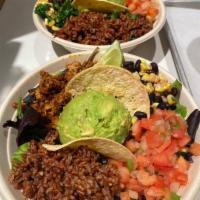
176,57
174,2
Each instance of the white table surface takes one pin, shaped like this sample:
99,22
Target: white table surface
23,48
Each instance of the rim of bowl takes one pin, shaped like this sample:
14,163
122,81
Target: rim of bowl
3,186
66,43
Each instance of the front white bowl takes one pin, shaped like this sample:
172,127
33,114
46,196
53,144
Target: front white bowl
8,139
126,46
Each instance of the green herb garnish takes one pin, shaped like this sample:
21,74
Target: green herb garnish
181,109
174,196
64,11
41,10
115,15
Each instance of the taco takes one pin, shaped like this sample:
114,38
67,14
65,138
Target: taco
115,81
106,147
100,5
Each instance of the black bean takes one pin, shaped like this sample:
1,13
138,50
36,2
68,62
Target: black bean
172,107
137,65
142,197
158,99
116,197
154,67
102,159
193,122
186,155
140,114
129,65
152,97
174,91
162,106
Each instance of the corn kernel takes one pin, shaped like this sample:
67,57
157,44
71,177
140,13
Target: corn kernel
46,21
150,78
155,105
50,12
134,120
51,23
55,28
149,87
162,87
171,99
144,66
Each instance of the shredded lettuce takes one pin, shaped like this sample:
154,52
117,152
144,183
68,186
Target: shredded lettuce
18,155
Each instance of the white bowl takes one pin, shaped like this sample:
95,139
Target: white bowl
126,46
8,142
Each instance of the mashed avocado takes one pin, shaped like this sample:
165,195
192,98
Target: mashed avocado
94,114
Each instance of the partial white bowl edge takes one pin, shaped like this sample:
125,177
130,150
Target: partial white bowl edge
7,140
126,46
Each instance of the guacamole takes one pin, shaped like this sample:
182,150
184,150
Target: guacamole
94,114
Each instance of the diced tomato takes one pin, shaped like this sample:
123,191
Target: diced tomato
134,185
178,176
164,146
195,149
132,7
182,164
128,2
162,160
182,178
171,149
125,196
155,192
146,123
132,145
160,183
116,163
145,178
145,5
184,140
124,174
153,139
142,161
178,133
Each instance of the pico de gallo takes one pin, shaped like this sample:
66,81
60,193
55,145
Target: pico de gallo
163,152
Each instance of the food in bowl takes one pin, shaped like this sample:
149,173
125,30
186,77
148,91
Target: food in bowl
159,146
98,22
